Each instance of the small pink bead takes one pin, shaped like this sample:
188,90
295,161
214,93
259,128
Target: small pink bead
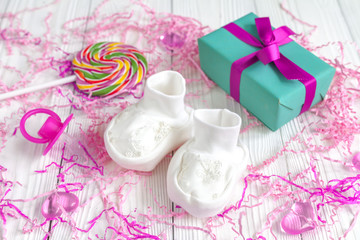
51,206
356,161
172,40
300,219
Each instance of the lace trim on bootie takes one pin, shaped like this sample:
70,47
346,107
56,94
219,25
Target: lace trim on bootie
145,138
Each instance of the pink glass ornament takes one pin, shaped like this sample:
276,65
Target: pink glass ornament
356,161
300,219
51,206
172,40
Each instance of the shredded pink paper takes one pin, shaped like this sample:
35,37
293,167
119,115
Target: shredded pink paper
84,164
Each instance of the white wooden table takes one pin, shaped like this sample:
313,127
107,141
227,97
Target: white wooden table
139,194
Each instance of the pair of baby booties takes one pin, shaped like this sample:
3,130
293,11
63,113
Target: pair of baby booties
204,171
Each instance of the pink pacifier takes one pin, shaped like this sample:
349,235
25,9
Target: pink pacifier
49,132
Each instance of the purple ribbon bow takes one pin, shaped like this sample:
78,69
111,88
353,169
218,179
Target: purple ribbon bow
269,52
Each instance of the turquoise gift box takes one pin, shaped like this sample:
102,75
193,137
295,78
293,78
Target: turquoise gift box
264,91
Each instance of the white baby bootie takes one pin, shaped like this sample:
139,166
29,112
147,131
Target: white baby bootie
203,172
139,137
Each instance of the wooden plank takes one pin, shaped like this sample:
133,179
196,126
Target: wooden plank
142,194
261,142
331,28
21,157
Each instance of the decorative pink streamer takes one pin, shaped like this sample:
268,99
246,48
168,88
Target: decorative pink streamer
334,122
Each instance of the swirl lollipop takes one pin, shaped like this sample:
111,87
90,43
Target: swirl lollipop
101,69
107,68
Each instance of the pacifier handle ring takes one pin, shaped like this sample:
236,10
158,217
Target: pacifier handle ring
29,114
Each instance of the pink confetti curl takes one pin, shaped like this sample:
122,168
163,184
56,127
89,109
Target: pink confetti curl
134,230
337,192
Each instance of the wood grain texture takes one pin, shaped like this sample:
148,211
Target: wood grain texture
335,20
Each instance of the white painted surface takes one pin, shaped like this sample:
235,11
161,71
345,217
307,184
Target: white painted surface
336,21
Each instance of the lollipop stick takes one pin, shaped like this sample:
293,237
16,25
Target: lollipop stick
37,87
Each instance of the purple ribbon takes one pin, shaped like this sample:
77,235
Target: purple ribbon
269,52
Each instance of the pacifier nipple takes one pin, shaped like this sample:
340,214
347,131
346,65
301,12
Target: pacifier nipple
51,128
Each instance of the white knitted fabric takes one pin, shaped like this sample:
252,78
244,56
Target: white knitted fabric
140,137
203,172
